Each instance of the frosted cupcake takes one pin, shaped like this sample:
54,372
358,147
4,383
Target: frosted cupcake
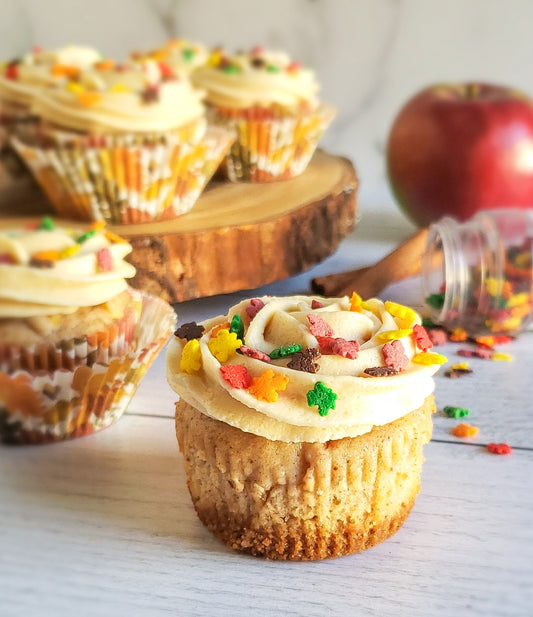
180,55
22,79
270,103
301,422
124,143
75,339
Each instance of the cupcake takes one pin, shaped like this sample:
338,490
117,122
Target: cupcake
301,421
270,103
123,143
22,79
75,339
180,55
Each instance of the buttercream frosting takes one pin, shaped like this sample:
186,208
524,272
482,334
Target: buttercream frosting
139,97
22,79
180,55
256,78
362,401
56,270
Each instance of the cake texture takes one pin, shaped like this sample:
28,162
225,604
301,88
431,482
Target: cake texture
269,102
123,143
75,339
301,422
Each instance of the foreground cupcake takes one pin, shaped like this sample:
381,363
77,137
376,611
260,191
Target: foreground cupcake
125,144
22,79
301,422
75,339
270,103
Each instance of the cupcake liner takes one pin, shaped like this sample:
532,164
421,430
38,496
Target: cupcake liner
302,501
124,179
270,145
42,406
116,339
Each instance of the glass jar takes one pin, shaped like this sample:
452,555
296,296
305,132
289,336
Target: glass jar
477,274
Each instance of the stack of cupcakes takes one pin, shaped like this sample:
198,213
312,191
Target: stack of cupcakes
123,143
75,339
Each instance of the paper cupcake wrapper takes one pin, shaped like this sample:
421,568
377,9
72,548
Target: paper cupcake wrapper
271,146
45,406
116,339
121,181
15,119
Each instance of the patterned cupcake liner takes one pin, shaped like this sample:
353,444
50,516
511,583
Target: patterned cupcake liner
45,406
116,339
124,179
271,146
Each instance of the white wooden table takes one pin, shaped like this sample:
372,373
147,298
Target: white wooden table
103,525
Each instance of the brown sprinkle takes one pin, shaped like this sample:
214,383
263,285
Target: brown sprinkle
380,371
189,331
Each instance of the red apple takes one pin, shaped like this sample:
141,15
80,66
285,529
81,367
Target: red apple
457,149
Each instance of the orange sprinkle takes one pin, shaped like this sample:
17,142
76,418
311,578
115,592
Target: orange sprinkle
465,430
105,65
89,98
266,386
222,326
356,303
458,335
112,237
97,225
51,255
63,70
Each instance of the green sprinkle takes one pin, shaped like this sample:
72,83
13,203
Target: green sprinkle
323,397
272,68
456,412
499,302
284,350
231,68
428,323
188,54
436,300
88,234
47,223
237,326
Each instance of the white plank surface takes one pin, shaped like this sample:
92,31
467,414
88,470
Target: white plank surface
103,525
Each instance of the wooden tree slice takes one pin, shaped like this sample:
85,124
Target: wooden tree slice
241,236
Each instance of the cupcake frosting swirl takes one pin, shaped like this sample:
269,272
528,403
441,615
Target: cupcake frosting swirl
137,98
360,401
54,270
22,79
258,78
180,55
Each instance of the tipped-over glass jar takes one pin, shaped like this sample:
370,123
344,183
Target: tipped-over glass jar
477,275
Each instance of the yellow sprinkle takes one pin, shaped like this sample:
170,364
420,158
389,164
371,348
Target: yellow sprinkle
460,366
215,58
118,88
428,358
521,298
510,324
356,303
191,357
494,285
115,238
392,335
502,357
69,251
404,313
523,260
75,87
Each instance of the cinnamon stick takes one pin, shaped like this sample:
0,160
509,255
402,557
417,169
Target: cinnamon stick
403,262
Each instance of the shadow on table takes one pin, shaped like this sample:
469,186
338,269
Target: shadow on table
105,489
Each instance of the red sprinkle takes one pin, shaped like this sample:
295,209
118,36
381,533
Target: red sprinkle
256,304
318,326
315,304
394,355
325,344
237,376
254,353
499,448
438,336
166,71
346,349
104,260
480,352
6,258
12,71
422,339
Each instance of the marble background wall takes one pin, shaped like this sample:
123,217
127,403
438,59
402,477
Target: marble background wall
370,55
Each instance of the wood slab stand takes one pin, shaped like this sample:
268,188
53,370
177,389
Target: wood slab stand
237,236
